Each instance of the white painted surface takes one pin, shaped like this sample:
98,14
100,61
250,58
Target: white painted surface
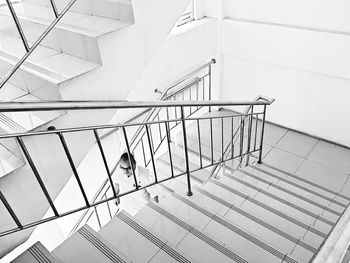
305,101
327,14
306,71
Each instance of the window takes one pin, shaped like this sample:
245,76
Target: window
187,16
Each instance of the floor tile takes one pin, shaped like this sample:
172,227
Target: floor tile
331,155
297,143
286,161
322,175
273,134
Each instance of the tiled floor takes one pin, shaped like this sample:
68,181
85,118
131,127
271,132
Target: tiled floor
322,162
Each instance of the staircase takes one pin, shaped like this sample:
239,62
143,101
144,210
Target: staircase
244,213
69,51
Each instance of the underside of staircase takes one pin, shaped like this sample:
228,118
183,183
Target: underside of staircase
279,211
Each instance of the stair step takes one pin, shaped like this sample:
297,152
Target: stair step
88,246
196,239
9,162
53,67
19,122
114,9
135,240
76,34
10,92
262,188
234,194
37,253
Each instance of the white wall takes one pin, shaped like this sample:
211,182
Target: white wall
296,52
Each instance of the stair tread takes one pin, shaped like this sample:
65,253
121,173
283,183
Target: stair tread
8,161
56,67
88,246
130,241
37,253
86,24
10,92
196,239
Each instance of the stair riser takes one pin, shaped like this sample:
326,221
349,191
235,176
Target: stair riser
60,39
119,10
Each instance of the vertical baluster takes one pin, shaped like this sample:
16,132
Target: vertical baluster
36,174
250,124
241,140
10,210
54,8
169,148
211,141
222,139
18,25
129,153
199,144
197,91
232,143
159,129
190,99
189,192
210,86
75,172
262,135
108,207
143,152
256,131
152,157
98,217
105,162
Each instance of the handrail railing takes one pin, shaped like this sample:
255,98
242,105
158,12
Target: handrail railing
228,147
29,50
166,123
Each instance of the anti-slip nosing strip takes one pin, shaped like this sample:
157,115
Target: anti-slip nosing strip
224,250
38,255
242,233
100,246
281,200
155,240
308,182
299,186
305,199
270,209
251,217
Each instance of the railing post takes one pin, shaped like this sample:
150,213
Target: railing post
169,147
105,162
54,8
129,154
262,135
152,153
209,86
189,192
249,135
18,25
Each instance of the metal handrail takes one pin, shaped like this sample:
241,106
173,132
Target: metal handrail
38,41
94,105
227,147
